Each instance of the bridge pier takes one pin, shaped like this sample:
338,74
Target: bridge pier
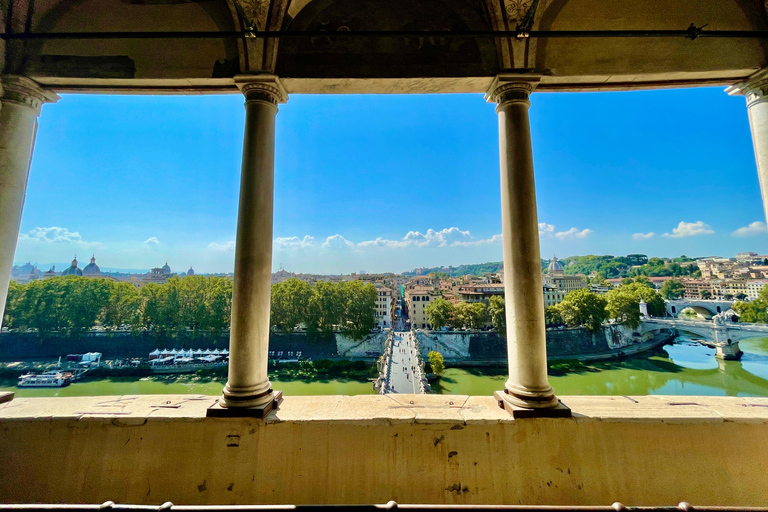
728,351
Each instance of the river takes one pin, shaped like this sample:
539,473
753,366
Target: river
684,368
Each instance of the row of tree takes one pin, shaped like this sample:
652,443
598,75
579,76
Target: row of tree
347,306
74,305
580,308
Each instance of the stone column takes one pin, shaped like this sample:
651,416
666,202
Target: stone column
248,383
528,386
756,91
21,102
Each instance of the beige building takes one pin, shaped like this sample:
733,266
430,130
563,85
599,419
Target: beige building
559,280
416,301
553,296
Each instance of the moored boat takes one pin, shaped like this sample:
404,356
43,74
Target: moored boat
45,380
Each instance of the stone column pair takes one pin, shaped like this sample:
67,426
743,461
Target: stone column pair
20,102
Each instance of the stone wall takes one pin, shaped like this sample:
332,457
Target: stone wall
18,346
644,450
490,346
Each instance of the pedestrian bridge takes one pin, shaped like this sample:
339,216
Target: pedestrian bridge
401,369
706,308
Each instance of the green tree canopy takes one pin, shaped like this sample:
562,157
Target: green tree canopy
672,289
440,313
437,362
497,312
582,308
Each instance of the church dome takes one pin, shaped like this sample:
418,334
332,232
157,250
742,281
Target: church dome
166,268
554,265
73,270
92,269
190,272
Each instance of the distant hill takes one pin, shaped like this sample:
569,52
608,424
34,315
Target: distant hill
477,269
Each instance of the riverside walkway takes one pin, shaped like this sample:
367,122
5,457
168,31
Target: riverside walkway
402,371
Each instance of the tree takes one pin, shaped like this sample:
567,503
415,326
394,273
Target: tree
290,304
624,307
552,317
122,305
582,308
706,294
472,315
672,289
440,312
325,307
497,312
358,308
437,362
82,300
741,296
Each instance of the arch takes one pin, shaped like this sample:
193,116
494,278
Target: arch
120,58
397,57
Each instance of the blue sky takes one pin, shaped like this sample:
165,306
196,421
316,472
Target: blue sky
389,183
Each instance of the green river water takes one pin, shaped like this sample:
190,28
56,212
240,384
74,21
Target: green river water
684,368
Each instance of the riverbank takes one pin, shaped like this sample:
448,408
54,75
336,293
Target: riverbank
682,368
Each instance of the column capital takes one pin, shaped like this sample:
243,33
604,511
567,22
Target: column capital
511,87
754,88
262,87
25,91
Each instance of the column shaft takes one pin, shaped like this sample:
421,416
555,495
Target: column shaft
756,92
22,100
248,383
528,385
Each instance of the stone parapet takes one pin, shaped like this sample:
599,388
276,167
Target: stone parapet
651,450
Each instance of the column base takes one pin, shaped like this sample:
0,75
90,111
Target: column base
220,409
558,411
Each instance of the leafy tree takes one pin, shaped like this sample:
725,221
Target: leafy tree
122,305
472,315
706,294
624,307
552,317
755,311
627,280
741,296
359,305
582,308
654,300
728,296
437,362
325,307
497,312
440,312
672,289
290,304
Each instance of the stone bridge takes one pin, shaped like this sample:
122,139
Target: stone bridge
706,308
722,334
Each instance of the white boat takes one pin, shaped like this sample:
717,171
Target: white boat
45,380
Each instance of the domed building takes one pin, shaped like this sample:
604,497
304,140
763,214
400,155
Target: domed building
166,269
555,267
558,281
73,270
92,269
190,272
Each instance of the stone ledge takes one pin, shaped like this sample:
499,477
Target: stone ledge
389,409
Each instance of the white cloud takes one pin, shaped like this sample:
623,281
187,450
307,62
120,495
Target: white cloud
573,233
152,240
495,239
546,230
685,229
226,246
754,229
294,242
337,242
448,237
643,236
52,234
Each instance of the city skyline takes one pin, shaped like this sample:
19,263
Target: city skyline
361,186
